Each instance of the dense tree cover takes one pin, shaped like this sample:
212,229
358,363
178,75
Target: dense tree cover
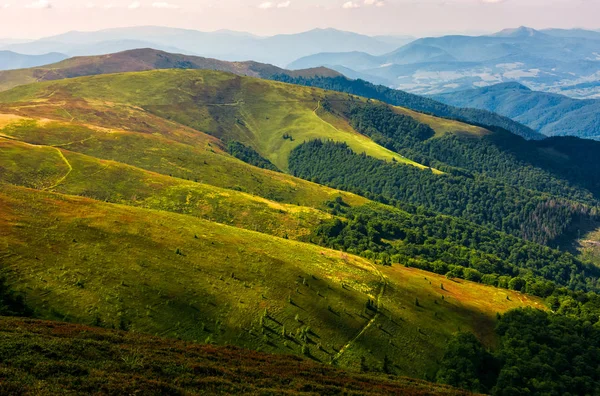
468,365
538,353
453,247
414,102
477,198
249,155
552,166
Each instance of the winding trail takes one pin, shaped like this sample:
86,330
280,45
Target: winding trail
62,179
370,322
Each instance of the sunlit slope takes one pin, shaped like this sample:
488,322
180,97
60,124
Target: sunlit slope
152,271
172,151
174,275
271,117
59,170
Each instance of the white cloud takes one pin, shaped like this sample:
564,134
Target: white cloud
6,5
350,4
376,3
284,4
266,5
163,4
135,5
40,4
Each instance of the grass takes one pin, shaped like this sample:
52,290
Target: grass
44,167
255,112
173,275
48,358
443,126
415,336
195,157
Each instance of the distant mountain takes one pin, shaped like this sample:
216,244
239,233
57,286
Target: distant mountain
551,114
143,60
12,60
546,60
227,45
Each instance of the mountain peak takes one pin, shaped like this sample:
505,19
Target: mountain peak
519,32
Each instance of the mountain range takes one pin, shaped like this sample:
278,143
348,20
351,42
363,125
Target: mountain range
150,59
548,113
554,60
226,45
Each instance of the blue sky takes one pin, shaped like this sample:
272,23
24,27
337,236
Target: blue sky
36,18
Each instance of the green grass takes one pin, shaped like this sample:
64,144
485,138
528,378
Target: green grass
174,275
253,111
49,358
43,167
195,157
443,126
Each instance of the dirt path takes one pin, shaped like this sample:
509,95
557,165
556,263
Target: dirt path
62,179
370,322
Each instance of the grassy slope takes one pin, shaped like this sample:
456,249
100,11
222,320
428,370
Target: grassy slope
256,112
92,262
45,358
179,153
60,170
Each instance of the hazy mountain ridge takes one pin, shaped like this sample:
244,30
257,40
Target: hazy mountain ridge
226,45
12,60
550,60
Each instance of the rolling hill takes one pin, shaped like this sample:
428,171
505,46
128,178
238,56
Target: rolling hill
142,60
550,114
120,211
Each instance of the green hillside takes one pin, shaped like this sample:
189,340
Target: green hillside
271,117
123,206
178,276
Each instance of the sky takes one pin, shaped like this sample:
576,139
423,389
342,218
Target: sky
40,18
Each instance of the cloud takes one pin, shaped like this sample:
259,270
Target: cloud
135,5
266,5
39,4
163,4
350,4
284,4
376,3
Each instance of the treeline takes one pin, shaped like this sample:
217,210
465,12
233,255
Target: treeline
480,200
453,247
538,353
249,155
563,167
414,102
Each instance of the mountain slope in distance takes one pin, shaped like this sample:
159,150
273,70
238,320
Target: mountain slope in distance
11,60
551,114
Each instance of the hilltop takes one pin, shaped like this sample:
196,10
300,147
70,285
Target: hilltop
142,60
